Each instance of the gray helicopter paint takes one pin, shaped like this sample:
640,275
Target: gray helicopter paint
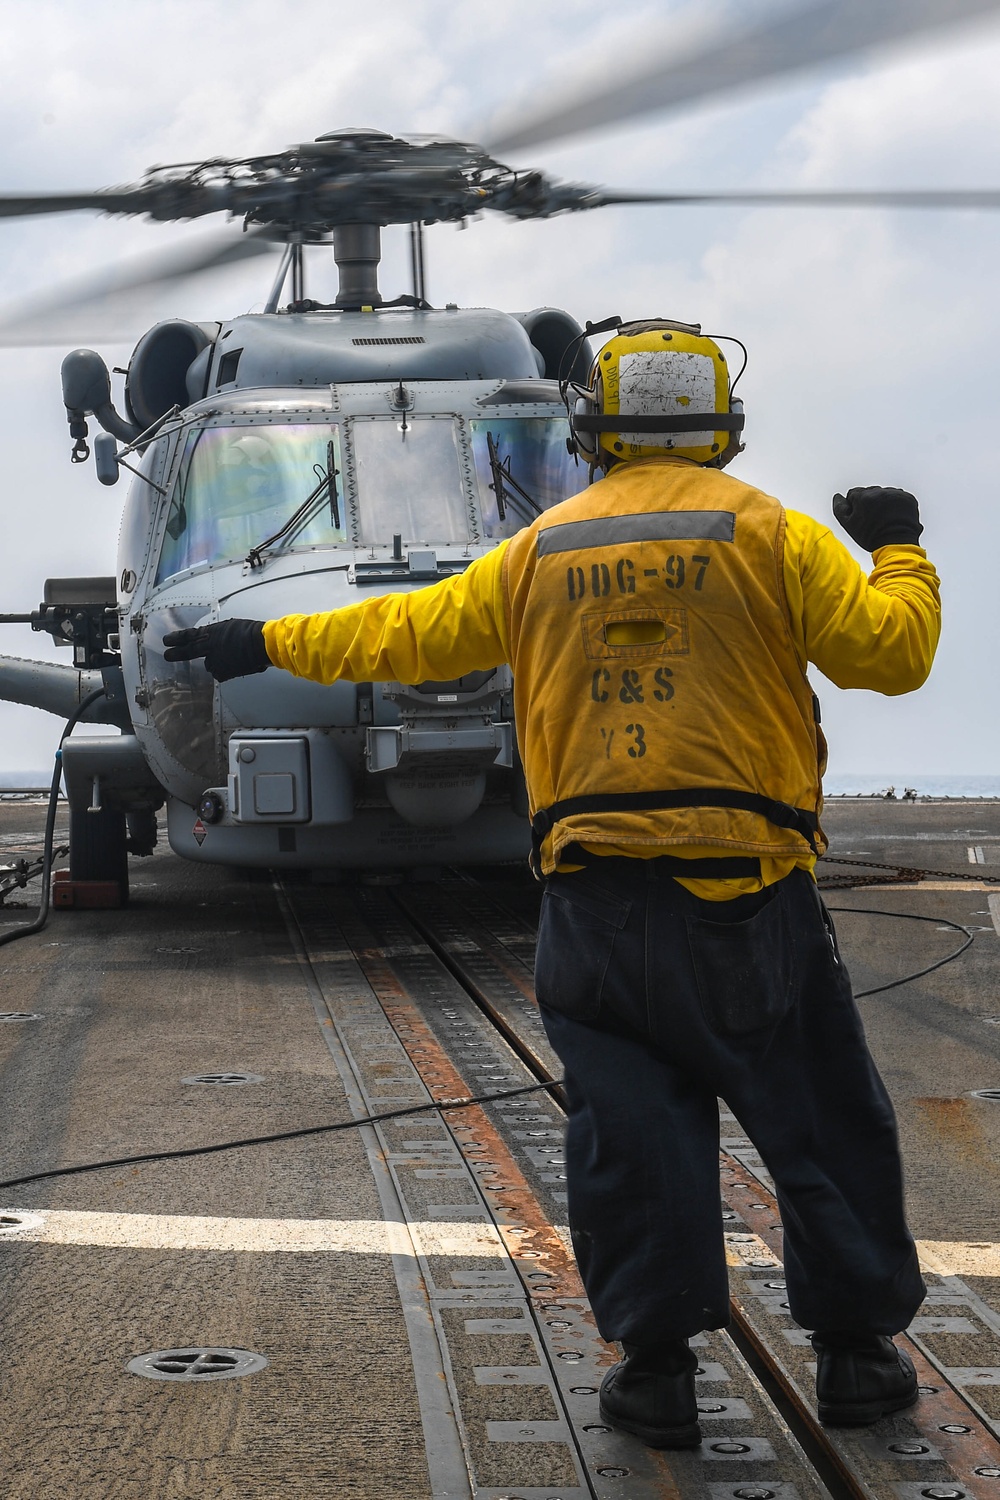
323,348
52,687
110,767
376,838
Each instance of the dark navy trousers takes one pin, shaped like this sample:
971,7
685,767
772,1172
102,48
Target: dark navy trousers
658,1003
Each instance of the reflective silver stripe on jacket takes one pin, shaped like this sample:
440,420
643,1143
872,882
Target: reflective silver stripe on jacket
655,526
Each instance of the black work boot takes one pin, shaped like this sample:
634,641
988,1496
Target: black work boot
651,1394
860,1378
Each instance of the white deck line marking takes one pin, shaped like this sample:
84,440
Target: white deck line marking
934,885
959,1257
269,1236
993,902
976,855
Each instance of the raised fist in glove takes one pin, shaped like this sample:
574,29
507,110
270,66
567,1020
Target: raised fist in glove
876,517
232,648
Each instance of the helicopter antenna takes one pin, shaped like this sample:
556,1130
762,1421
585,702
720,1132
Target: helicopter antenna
417,262
357,249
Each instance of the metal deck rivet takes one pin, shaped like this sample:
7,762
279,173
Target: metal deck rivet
987,1472
571,1355
753,1492
909,1449
196,1364
588,1390
941,1492
927,1390
730,1447
227,1080
20,1015
954,1427
595,1427
555,1323
614,1473
710,1406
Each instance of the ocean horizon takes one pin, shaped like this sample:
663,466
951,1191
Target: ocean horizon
844,784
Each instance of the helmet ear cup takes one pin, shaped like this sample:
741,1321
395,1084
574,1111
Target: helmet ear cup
735,445
586,443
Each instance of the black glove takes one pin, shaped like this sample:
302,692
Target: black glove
875,517
232,648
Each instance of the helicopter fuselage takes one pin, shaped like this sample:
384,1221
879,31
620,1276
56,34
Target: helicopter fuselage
411,476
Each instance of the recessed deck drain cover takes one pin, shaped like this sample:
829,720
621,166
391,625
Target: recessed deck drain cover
19,1015
227,1080
15,1223
196,1364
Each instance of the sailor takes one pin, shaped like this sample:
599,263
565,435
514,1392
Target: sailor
659,627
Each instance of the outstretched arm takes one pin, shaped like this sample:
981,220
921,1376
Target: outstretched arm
452,627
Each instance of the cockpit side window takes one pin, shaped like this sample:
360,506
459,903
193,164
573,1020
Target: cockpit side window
139,514
235,486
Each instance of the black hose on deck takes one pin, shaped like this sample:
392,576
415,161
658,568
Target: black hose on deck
27,928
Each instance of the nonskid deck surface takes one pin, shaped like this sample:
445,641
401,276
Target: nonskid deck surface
410,1284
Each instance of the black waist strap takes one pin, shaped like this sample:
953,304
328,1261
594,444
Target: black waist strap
713,867
781,814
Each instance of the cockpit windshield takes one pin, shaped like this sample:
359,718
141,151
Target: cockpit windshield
525,458
253,491
410,479
236,486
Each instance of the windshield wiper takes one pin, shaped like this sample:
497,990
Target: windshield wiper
505,486
327,485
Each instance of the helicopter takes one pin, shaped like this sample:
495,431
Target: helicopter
309,455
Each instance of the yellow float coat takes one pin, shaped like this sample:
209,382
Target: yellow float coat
659,626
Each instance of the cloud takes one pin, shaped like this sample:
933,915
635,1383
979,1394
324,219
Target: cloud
872,335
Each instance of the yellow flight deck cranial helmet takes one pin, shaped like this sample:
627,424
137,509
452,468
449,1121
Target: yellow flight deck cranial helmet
658,388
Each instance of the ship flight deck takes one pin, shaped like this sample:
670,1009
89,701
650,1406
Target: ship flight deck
391,1311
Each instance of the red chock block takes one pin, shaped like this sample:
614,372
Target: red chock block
85,895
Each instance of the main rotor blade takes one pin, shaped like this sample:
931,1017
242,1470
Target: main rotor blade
112,304
790,41
24,205
835,198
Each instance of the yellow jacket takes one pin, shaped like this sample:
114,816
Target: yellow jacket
878,633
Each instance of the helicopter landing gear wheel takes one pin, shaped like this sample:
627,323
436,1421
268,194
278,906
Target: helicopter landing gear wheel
97,847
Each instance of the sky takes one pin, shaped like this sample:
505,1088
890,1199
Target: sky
873,335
